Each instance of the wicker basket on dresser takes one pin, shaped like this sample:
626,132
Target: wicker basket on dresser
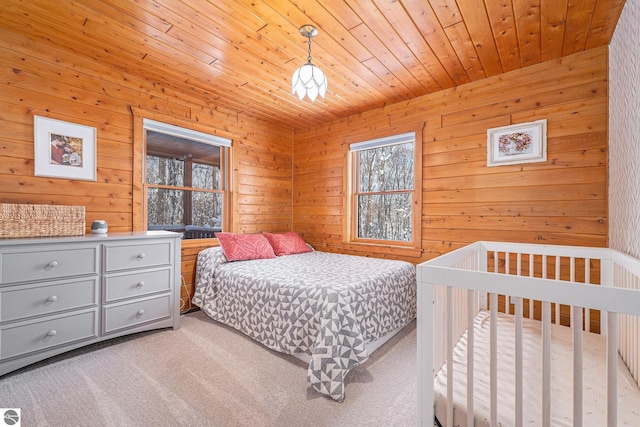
62,293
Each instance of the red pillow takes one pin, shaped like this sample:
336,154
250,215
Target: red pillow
288,243
243,247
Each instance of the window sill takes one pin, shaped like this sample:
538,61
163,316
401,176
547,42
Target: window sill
381,249
199,243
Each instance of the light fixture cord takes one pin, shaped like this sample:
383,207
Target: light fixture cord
309,57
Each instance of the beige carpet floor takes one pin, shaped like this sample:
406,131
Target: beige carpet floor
207,374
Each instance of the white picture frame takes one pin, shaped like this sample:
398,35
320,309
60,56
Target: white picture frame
515,144
64,150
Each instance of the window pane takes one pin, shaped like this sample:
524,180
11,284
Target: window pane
165,208
205,176
385,217
386,168
207,210
165,171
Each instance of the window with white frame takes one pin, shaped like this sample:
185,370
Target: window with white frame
186,183
384,193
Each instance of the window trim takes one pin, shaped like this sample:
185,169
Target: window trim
389,136
139,216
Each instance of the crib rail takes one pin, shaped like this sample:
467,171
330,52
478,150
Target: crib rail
558,284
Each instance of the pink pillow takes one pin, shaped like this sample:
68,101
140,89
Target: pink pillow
288,243
243,247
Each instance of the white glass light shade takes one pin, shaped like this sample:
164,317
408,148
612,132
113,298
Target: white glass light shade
309,80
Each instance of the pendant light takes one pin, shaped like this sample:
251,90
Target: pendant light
309,80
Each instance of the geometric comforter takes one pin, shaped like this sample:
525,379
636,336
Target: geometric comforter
323,304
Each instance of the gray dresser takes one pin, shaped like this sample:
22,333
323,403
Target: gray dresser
61,293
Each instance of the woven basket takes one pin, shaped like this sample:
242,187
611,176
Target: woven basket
41,220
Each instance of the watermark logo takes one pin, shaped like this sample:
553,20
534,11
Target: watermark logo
10,417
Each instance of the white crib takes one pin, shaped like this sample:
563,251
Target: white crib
538,288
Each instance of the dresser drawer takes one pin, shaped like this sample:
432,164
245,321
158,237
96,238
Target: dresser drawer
123,315
120,286
26,266
20,339
129,256
22,301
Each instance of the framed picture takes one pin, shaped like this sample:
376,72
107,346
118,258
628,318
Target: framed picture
64,150
521,143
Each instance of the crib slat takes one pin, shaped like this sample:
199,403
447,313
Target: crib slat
636,339
531,274
607,278
587,279
531,265
471,313
633,334
507,270
493,368
621,276
627,330
519,365
449,356
576,326
612,370
546,364
557,277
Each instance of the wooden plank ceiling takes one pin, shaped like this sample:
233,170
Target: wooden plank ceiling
240,54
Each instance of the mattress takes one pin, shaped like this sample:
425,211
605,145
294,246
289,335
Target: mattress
325,305
594,377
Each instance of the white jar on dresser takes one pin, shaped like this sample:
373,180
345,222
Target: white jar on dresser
61,293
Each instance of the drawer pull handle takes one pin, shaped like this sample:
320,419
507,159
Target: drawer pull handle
140,284
139,313
52,333
52,264
141,256
52,298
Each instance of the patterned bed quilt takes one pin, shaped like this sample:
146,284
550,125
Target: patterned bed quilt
323,304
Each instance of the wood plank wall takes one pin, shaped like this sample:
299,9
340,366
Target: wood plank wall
38,78
560,201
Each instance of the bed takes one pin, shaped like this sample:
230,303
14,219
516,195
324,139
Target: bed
330,310
520,334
